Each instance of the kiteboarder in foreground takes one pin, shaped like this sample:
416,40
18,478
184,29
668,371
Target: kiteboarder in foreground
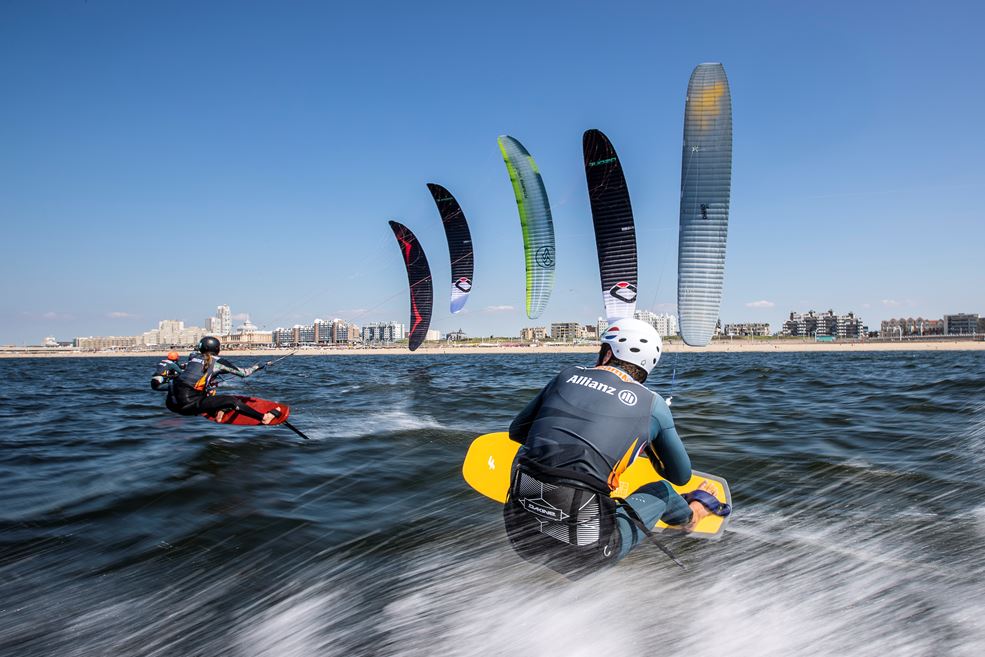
578,435
192,391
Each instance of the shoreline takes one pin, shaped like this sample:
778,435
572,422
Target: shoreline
723,346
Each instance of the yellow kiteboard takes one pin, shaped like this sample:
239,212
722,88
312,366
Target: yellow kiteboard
489,462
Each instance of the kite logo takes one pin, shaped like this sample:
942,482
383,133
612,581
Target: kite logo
545,256
628,397
491,463
464,284
625,292
704,211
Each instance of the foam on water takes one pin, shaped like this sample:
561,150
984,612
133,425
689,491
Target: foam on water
383,422
800,591
292,627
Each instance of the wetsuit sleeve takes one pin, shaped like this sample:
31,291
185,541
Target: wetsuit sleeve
667,453
521,424
224,366
166,371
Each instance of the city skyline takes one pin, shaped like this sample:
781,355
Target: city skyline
338,330
666,323
267,176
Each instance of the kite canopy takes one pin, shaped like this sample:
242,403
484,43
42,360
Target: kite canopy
615,234
419,279
535,219
706,178
459,245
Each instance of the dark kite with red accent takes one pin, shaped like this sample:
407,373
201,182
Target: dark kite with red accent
419,280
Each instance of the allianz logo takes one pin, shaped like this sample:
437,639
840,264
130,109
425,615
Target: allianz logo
627,397
589,382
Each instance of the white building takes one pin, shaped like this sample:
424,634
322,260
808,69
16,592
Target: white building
172,332
284,336
813,324
225,318
305,333
319,332
665,324
169,331
383,332
323,331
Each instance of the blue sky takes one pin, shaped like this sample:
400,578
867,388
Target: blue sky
157,159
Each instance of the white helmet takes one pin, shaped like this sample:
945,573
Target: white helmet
634,341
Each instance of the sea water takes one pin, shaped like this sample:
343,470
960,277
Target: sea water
858,529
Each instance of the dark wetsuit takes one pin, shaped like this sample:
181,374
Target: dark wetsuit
167,370
190,392
584,429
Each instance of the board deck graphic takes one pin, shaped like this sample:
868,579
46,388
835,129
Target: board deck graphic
259,405
490,458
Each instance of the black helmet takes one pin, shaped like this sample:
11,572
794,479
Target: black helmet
209,345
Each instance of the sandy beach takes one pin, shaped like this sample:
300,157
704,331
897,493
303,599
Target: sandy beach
718,346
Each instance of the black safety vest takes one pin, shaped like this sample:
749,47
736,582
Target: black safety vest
591,425
196,375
